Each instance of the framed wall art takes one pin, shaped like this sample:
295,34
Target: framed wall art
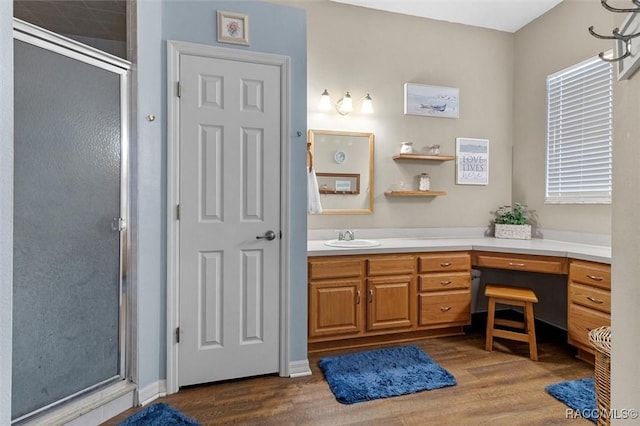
233,28
472,161
431,101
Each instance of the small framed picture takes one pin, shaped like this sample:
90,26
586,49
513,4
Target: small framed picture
472,161
431,101
233,28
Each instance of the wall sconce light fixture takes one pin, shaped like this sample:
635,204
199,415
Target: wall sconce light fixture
345,105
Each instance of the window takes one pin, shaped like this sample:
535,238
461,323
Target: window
579,134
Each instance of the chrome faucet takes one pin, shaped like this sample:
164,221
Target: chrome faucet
349,235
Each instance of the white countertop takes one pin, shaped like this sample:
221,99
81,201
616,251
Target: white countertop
535,246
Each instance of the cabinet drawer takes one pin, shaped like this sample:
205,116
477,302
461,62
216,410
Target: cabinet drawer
391,265
452,307
444,281
444,262
581,321
595,274
335,268
546,264
591,297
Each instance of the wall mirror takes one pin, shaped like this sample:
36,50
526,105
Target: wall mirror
343,162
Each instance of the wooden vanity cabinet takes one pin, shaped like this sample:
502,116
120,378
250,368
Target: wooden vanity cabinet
383,298
336,287
352,296
390,292
444,289
589,303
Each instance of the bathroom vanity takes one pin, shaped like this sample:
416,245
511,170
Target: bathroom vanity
408,289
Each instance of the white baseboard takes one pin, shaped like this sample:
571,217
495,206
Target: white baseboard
299,368
152,392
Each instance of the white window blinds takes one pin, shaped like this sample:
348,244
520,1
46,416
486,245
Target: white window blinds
579,134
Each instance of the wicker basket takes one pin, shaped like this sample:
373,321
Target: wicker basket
600,338
516,232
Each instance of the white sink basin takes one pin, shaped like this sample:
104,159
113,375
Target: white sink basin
352,243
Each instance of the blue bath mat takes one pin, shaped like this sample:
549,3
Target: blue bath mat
159,415
580,395
383,373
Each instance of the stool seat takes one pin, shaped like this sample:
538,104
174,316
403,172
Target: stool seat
520,294
514,296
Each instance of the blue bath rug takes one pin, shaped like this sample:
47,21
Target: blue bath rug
159,415
580,395
383,373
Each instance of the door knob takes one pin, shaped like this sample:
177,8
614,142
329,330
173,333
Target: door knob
269,235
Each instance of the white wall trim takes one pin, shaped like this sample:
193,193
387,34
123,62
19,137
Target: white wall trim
152,392
299,368
174,50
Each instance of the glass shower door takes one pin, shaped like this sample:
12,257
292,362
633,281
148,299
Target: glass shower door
67,258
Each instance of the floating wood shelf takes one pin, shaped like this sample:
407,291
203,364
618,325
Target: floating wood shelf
415,193
423,157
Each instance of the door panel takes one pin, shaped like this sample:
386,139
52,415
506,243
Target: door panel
229,195
390,302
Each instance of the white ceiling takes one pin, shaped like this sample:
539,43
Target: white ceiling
503,15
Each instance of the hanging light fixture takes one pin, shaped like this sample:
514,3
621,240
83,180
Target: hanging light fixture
345,105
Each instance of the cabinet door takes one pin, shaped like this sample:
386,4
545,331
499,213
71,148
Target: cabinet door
335,307
389,302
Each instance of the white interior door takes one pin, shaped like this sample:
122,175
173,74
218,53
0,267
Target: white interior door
229,244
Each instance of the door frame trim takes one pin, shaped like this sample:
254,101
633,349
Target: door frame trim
174,50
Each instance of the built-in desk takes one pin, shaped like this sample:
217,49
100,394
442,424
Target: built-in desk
424,310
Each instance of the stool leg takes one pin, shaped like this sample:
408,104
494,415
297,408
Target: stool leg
531,331
490,318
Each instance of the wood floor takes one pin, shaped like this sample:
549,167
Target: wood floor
503,387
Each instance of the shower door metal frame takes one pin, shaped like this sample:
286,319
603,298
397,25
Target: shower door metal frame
45,39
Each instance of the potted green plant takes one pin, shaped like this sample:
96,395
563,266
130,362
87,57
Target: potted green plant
512,222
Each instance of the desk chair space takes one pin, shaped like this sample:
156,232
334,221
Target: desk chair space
513,296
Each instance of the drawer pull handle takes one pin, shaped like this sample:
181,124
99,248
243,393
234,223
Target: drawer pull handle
445,308
446,282
358,297
594,300
595,278
371,295
521,265
445,264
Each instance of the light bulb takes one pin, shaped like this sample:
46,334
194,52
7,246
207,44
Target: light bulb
367,105
345,105
325,101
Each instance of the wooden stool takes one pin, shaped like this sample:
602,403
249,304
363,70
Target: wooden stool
514,296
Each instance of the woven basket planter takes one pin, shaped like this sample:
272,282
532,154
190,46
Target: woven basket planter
600,339
515,232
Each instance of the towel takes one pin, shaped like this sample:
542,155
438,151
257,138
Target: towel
313,193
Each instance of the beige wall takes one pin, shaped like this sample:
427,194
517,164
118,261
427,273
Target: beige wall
550,44
501,77
363,50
